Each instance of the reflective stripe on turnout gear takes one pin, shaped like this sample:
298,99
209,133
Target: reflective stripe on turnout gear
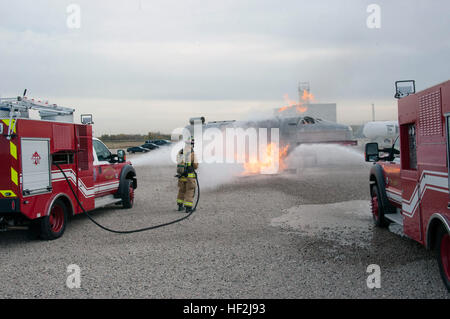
188,204
183,179
191,175
180,201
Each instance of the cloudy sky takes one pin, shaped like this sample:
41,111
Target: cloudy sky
144,65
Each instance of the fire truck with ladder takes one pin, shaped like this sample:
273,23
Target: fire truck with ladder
409,182
34,193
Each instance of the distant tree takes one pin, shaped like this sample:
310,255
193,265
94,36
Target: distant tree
134,137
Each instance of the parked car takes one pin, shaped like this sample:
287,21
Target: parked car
137,149
159,142
150,146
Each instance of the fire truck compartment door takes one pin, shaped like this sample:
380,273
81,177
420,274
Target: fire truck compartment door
35,165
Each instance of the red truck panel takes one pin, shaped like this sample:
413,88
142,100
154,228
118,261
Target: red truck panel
424,188
64,138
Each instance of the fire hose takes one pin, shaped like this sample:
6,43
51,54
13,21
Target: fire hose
135,230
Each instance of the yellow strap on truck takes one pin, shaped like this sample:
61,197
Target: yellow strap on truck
14,176
13,149
13,123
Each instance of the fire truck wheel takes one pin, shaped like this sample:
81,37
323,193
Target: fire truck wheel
443,255
128,197
377,208
53,225
34,230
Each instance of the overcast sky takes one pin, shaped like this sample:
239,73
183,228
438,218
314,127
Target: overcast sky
141,66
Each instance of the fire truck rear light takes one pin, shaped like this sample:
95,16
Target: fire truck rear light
13,205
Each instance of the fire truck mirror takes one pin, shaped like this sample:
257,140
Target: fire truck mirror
86,119
121,156
372,152
404,88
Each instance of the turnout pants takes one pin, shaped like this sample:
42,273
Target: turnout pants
186,191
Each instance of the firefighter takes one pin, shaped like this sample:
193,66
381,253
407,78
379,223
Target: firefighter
186,164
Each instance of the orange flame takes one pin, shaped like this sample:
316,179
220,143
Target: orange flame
299,107
255,166
307,96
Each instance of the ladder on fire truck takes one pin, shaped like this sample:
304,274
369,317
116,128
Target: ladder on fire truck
18,107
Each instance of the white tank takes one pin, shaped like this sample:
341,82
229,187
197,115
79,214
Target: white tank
388,129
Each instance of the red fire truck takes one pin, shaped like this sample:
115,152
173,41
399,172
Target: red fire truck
33,191
409,183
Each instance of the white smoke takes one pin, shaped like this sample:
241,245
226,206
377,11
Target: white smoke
210,175
324,155
214,175
303,157
159,157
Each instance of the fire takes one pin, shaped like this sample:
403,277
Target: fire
284,108
299,107
268,162
307,96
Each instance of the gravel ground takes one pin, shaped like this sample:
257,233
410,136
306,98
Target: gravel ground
286,236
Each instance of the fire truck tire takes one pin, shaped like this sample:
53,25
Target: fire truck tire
128,196
34,230
443,255
377,208
54,225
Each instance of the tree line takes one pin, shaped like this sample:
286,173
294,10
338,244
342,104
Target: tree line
134,137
